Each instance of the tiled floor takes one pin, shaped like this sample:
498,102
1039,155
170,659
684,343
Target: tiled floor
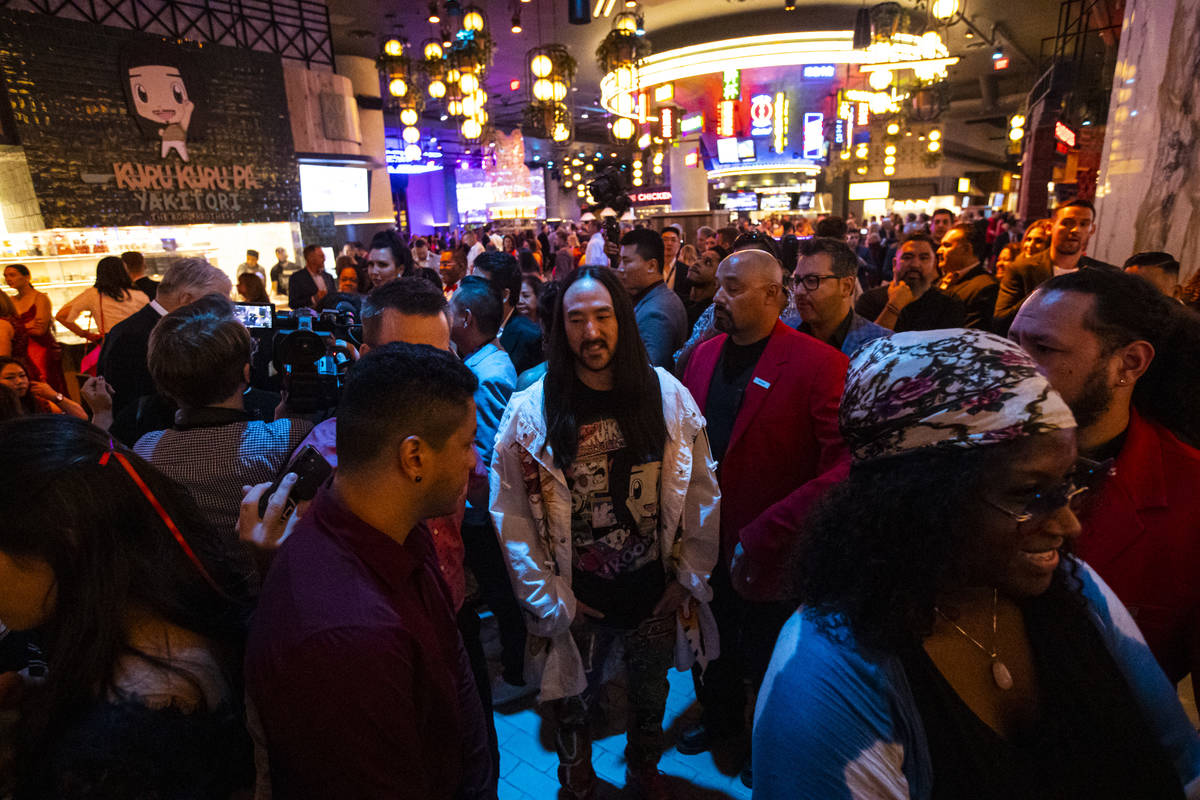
528,763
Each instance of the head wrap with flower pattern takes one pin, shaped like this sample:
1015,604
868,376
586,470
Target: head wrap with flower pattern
947,388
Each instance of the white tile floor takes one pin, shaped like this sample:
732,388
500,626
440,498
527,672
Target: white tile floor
528,763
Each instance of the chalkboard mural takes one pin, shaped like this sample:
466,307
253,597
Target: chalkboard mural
127,128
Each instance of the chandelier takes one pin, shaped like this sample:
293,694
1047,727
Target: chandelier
404,95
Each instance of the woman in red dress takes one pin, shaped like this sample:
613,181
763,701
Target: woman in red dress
44,354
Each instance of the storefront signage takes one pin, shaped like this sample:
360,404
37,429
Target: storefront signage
820,71
726,112
762,109
664,93
780,131
652,197
666,122
871,190
731,88
814,135
691,123
131,129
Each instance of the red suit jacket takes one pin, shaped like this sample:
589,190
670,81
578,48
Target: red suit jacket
785,448
1142,534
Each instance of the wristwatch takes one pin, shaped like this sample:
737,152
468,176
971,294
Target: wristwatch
58,396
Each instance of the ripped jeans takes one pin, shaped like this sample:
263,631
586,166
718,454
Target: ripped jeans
649,654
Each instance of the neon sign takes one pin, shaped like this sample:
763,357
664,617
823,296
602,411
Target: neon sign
781,122
725,118
820,71
666,118
732,85
1064,134
762,111
814,135
692,123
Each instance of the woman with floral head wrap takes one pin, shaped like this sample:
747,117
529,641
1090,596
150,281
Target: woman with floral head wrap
948,645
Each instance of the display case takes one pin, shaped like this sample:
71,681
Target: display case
62,262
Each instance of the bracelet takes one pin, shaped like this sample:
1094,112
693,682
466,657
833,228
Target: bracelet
58,396
893,309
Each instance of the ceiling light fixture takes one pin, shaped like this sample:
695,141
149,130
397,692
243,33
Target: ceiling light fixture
516,23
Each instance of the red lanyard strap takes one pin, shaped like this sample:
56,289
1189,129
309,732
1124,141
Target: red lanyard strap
164,516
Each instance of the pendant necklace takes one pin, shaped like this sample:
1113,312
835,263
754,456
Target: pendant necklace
1000,673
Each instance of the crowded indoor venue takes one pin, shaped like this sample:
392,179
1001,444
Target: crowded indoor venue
527,399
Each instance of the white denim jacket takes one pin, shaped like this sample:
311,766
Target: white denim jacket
531,506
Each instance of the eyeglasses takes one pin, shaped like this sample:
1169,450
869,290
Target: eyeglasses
1088,476
811,282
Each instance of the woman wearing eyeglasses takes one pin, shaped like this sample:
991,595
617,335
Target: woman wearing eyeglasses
948,644
141,614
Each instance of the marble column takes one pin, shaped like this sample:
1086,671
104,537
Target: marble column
1148,191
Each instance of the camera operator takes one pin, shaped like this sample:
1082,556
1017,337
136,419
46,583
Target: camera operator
200,358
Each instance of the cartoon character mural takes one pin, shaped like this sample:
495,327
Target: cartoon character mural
163,90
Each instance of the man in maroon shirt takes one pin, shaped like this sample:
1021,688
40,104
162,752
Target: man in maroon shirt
354,665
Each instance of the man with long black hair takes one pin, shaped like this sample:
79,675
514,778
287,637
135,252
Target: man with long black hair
604,494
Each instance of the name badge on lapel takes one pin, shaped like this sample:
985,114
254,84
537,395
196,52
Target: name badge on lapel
762,383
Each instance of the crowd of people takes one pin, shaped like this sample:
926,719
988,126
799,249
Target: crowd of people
916,511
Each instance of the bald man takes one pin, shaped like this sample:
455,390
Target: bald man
770,395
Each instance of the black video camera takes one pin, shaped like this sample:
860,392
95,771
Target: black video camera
308,359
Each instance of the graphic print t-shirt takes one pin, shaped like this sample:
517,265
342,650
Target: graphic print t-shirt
614,519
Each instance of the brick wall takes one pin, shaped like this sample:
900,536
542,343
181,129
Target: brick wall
66,95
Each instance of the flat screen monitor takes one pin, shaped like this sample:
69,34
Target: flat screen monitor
324,189
727,151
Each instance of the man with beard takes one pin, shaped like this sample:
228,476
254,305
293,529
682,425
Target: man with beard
770,396
824,287
603,493
1127,362
1072,227
910,302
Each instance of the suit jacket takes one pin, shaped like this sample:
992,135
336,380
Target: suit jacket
123,357
978,290
1142,535
785,449
522,340
302,289
1024,275
662,322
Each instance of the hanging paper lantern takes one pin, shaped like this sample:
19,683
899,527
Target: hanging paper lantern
472,21
433,51
411,135
437,90
393,47
541,65
543,90
469,106
471,129
560,90
623,128
397,87
408,116
412,152
469,83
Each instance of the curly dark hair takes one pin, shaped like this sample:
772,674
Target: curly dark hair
880,566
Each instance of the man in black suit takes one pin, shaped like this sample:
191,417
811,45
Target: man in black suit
135,265
1074,223
520,337
965,277
123,355
308,286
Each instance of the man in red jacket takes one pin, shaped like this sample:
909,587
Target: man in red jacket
770,397
1125,359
